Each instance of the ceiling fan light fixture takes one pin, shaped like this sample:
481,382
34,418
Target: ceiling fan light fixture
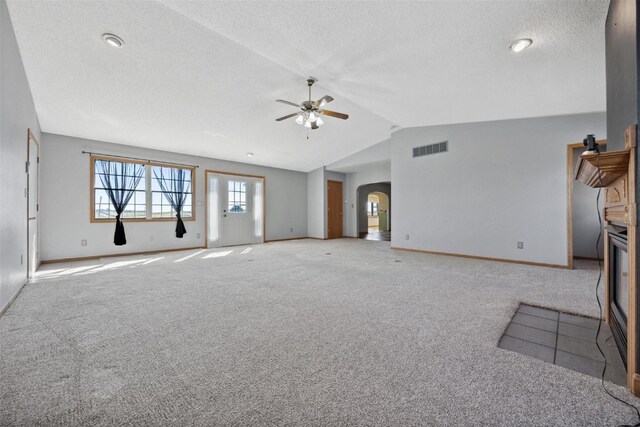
300,119
312,117
319,121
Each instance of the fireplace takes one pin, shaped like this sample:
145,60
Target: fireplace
615,172
618,286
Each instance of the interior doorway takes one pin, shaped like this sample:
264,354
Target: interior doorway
335,214
235,206
33,204
374,211
582,217
377,212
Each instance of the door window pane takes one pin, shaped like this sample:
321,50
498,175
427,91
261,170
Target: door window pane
237,197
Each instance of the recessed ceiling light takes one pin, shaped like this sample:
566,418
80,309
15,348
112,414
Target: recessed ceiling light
249,154
113,40
520,45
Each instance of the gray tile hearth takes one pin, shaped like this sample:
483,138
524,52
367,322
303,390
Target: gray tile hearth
564,339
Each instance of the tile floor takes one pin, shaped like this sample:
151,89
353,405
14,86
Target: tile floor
375,234
565,340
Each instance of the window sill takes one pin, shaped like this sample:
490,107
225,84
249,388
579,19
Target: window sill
125,220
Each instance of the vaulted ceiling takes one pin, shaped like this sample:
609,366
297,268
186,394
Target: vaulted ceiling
201,77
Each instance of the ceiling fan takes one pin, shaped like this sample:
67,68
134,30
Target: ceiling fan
310,113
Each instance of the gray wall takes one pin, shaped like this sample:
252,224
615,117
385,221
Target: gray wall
17,114
585,217
500,183
362,193
65,201
622,70
316,204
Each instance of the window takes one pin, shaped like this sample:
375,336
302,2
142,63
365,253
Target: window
160,206
372,208
237,196
147,203
103,208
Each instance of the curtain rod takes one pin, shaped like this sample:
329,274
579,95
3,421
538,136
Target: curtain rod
137,158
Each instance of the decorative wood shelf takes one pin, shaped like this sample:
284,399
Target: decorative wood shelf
613,165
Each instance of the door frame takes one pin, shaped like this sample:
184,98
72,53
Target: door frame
206,201
570,179
329,181
31,138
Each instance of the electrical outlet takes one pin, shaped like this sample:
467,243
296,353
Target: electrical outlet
83,242
152,238
406,237
520,245
291,229
198,236
200,203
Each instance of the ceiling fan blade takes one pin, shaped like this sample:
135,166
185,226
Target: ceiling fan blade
323,101
289,103
288,116
334,114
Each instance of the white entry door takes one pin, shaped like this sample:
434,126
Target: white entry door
33,255
235,210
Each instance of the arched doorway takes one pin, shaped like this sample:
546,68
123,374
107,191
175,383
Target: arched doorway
374,211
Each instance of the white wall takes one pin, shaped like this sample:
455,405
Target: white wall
17,114
65,201
586,226
501,182
316,203
375,172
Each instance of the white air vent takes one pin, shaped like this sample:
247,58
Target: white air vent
426,150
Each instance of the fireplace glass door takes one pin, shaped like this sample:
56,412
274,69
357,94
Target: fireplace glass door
620,296
619,290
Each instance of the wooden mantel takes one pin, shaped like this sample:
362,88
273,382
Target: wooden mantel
611,164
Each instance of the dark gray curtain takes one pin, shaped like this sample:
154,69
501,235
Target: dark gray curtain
175,187
120,180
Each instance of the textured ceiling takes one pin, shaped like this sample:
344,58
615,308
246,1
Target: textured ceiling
201,77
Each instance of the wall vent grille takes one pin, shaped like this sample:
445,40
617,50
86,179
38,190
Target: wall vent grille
426,150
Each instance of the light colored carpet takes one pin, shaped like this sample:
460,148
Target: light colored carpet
294,333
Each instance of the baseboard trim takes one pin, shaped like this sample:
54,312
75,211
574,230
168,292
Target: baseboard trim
85,258
510,261
13,298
